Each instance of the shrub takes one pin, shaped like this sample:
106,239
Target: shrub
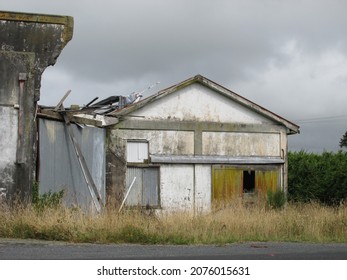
46,200
276,199
317,177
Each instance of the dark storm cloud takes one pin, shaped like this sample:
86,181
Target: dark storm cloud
288,56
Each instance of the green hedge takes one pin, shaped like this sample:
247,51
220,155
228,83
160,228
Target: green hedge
318,177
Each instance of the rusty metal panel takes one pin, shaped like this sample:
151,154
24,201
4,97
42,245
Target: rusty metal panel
226,184
241,144
267,180
59,166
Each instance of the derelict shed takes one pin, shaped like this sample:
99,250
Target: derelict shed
195,145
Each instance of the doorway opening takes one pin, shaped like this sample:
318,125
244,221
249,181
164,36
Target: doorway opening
248,181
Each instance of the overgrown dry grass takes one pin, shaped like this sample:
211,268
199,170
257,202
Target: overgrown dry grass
297,222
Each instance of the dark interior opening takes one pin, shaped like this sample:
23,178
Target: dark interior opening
248,181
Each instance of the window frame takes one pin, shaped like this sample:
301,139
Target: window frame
138,141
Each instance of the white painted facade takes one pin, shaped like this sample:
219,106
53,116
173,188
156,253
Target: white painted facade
185,187
162,141
198,103
206,120
243,144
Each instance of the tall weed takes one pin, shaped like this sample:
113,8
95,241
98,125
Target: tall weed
46,200
296,222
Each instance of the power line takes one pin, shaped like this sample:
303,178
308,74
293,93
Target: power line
323,119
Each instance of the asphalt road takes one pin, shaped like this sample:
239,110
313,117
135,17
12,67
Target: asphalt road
18,249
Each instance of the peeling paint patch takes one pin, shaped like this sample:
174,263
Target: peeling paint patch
163,142
241,144
8,132
7,183
178,106
3,192
177,185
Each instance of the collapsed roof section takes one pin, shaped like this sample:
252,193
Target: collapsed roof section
94,114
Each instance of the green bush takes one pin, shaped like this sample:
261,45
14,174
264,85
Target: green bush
276,199
317,177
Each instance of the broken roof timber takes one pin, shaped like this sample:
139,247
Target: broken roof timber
292,128
79,116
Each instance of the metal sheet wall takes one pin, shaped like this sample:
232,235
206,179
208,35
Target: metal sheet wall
135,195
145,190
59,167
150,194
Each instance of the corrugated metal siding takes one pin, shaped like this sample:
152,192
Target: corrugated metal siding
150,195
135,195
145,191
59,167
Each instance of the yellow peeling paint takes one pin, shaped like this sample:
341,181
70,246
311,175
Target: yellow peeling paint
266,180
227,183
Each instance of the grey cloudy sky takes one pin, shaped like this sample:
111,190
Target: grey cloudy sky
288,56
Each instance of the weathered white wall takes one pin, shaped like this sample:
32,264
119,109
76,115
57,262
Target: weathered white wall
199,103
176,187
163,142
8,147
241,144
185,187
188,187
203,195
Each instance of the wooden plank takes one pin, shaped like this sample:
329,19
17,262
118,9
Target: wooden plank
49,114
59,106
